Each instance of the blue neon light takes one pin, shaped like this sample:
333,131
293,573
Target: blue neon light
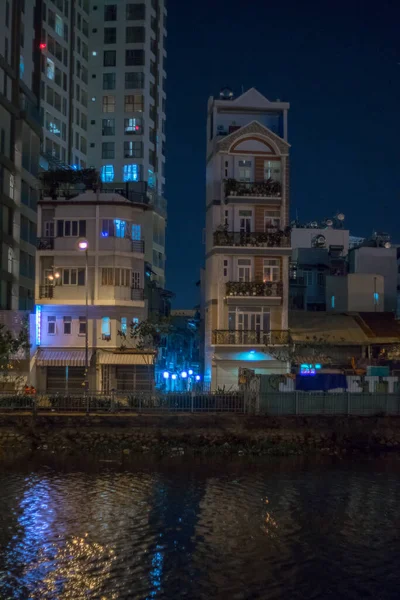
38,324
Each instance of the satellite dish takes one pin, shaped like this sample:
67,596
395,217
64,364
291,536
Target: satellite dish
387,245
314,224
226,94
329,222
319,241
340,217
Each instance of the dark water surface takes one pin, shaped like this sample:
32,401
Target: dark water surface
279,528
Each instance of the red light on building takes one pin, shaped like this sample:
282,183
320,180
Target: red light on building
42,46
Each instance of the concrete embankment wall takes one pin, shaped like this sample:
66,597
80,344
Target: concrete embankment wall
214,434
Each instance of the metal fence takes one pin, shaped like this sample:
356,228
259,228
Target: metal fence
196,402
303,403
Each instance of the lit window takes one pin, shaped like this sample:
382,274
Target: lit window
136,232
12,186
151,179
51,325
94,53
59,26
332,301
50,68
21,66
107,228
67,325
120,228
82,325
107,173
135,321
106,326
133,125
131,172
124,325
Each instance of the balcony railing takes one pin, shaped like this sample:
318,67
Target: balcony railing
138,246
246,337
45,243
46,291
137,294
267,189
262,239
254,288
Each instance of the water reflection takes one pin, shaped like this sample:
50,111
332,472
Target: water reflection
273,529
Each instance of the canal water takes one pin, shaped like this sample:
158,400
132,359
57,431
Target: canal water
279,528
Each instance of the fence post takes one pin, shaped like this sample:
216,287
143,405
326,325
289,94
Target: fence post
140,403
297,401
348,403
192,402
34,406
87,403
112,407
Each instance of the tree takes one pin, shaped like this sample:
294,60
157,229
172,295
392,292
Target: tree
313,349
13,349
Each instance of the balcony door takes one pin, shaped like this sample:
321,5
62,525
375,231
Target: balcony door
245,221
244,269
272,170
249,325
245,170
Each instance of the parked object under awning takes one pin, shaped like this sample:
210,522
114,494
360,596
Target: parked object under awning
122,358
61,358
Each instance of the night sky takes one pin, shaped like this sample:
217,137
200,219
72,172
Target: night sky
337,63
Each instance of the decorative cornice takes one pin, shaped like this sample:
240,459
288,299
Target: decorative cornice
254,127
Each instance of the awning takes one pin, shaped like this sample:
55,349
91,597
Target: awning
122,358
61,358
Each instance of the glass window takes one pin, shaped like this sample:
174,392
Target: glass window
109,58
136,232
51,325
110,12
10,260
245,170
82,325
131,173
107,228
133,126
50,68
59,28
272,219
110,35
107,276
124,325
108,150
135,12
120,228
134,58
134,103
272,170
108,127
67,325
108,104
107,173
136,280
106,326
135,35
271,269
134,81
133,149
108,81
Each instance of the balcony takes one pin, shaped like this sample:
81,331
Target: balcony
138,246
263,189
46,291
245,337
254,288
137,294
45,243
262,239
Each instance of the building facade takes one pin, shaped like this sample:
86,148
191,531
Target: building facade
92,297
247,245
20,134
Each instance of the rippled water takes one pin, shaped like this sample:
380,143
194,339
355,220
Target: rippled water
279,528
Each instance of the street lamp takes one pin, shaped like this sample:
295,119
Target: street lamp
83,246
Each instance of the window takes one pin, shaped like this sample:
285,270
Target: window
110,12
271,270
248,324
108,104
59,28
332,301
67,325
134,103
48,227
152,157
308,277
107,228
131,173
272,170
225,267
133,149
108,150
133,126
51,18
135,12
124,325
136,280
106,327
134,81
10,260
71,228
50,68
120,228
135,35
82,326
109,58
51,325
110,35
73,276
108,81
134,58
321,279
136,232
107,173
272,219
108,127
107,276
245,170
244,269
